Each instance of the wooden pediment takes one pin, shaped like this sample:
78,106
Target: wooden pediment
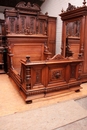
28,6
57,57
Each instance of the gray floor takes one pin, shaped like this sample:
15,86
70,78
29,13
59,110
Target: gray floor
80,124
77,125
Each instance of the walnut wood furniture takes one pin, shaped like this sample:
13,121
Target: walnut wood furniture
30,38
74,31
47,78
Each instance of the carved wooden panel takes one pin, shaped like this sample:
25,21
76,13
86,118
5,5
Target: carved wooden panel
73,71
56,74
73,29
38,80
32,25
26,19
22,24
12,21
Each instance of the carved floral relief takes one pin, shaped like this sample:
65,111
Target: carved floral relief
73,29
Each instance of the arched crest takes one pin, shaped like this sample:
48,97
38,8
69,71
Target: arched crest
57,57
28,6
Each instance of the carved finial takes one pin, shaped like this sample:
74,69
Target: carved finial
46,13
27,59
62,10
84,2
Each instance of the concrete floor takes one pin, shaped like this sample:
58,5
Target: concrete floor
23,120
11,102
80,124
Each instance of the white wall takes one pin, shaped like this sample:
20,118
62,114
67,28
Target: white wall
1,15
54,7
2,8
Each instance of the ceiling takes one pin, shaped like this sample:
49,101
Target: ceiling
12,3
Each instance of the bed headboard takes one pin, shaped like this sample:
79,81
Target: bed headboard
21,46
26,32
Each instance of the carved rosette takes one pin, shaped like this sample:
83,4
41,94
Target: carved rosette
56,74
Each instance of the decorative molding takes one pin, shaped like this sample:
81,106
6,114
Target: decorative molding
26,19
28,6
57,57
70,7
38,76
35,92
73,29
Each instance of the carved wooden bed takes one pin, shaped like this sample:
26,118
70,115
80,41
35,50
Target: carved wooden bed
30,64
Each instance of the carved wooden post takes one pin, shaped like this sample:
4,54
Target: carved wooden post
6,25
10,55
28,74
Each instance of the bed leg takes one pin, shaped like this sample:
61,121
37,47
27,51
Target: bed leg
78,90
29,102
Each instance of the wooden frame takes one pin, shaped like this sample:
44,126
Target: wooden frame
74,27
30,63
